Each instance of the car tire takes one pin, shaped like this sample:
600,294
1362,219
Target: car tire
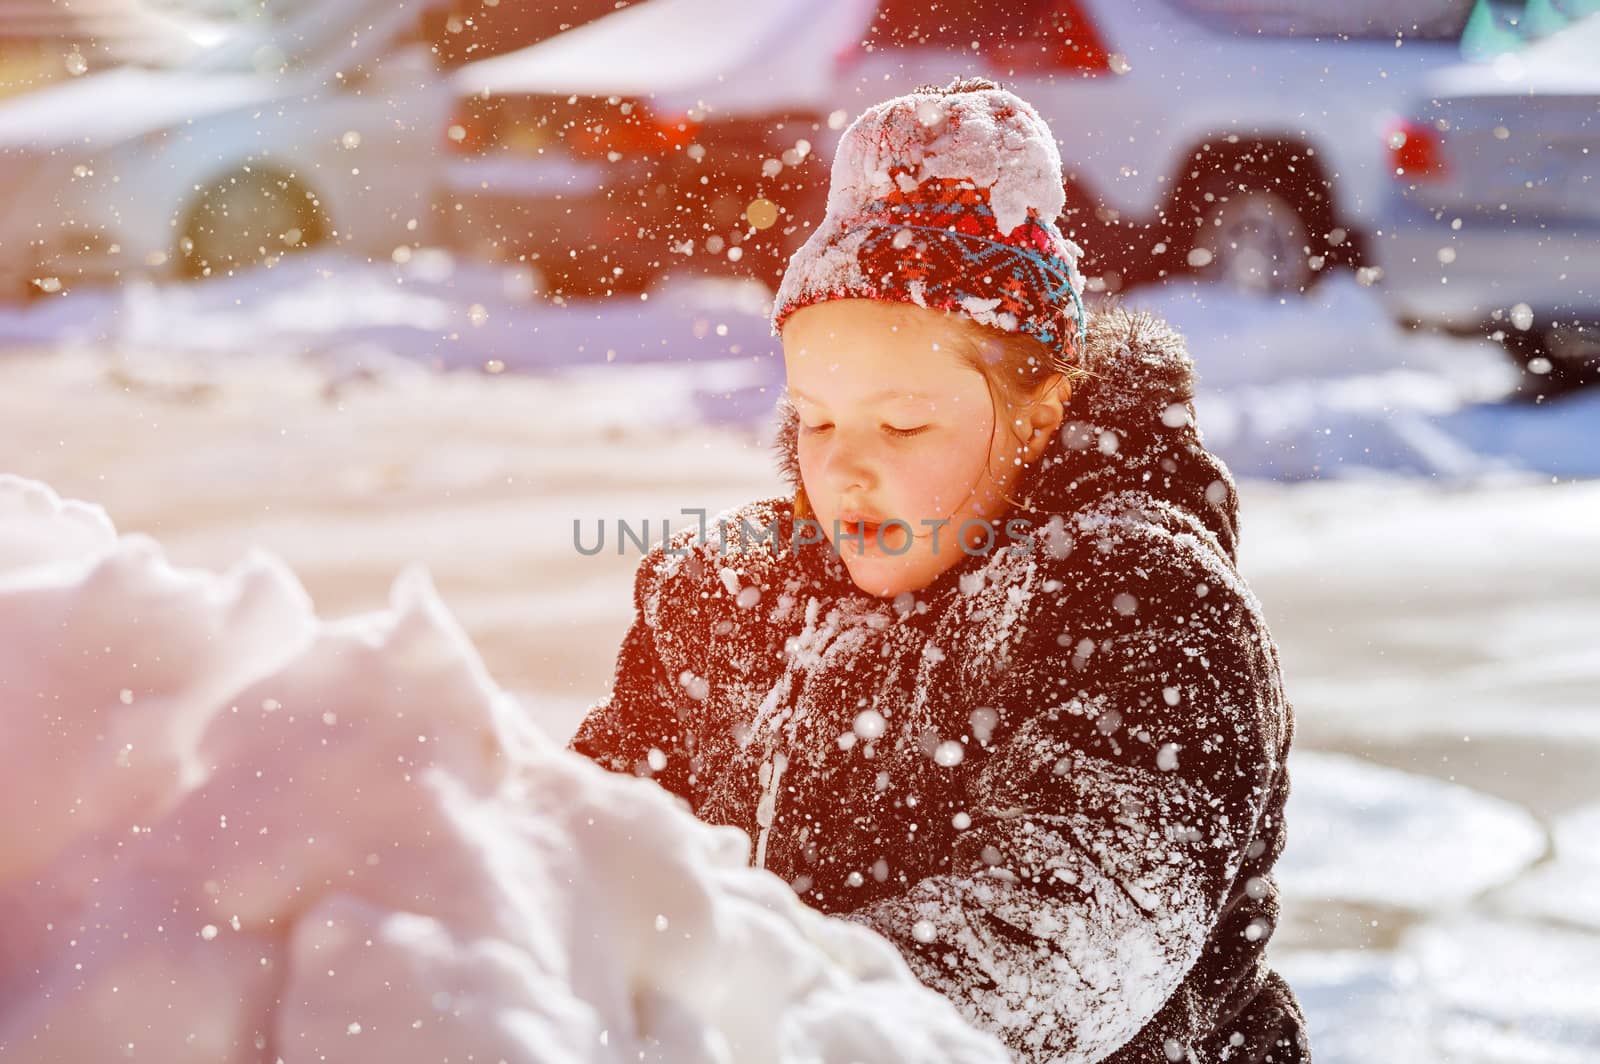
247,218
1256,216
1255,240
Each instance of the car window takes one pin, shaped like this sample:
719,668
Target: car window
1414,19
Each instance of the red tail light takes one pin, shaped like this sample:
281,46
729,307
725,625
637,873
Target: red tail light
1416,151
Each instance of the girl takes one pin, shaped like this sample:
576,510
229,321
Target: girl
988,682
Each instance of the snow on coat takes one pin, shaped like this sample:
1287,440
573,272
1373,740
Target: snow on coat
1054,779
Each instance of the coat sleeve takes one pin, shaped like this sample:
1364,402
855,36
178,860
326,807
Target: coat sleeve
1108,820
642,726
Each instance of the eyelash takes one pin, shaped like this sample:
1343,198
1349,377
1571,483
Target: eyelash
810,430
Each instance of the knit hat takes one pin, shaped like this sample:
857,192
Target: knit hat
947,199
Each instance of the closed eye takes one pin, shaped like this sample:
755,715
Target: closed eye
812,430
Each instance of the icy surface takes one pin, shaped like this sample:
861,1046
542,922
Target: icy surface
1362,832
1504,992
1565,888
1360,1005
1459,990
240,830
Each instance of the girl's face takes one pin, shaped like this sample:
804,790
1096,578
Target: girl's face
894,424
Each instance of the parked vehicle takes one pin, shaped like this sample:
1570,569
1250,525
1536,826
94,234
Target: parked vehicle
560,181
1493,221
43,41
1226,139
322,127
674,134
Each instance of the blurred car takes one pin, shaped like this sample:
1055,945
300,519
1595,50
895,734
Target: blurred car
671,134
557,181
320,126
1493,222
1225,138
43,41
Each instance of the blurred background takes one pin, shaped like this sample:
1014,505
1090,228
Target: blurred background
363,282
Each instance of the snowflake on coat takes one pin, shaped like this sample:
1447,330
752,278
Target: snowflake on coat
1054,778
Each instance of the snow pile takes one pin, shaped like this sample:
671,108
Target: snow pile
238,832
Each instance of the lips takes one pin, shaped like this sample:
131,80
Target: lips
858,523
853,521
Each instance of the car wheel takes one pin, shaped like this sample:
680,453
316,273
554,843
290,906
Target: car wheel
1258,214
247,218
1554,360
1253,239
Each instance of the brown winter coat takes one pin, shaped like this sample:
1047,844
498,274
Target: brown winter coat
1069,820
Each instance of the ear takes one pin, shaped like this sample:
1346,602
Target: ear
1043,418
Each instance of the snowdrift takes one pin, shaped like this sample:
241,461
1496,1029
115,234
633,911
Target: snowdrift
238,832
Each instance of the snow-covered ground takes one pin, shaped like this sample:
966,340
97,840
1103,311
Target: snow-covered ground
1320,387
1425,550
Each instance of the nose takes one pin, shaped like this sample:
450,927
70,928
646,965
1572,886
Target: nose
846,468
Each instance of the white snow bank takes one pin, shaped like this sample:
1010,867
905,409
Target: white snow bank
1323,386
699,347
237,832
1326,385
1362,832
1439,614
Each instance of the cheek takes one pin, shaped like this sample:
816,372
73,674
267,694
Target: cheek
938,479
807,457
926,481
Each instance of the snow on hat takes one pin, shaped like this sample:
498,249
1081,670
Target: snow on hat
947,198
